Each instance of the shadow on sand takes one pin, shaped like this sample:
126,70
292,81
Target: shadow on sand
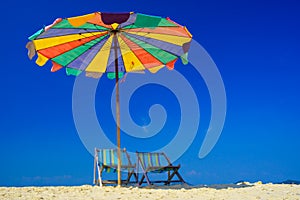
188,186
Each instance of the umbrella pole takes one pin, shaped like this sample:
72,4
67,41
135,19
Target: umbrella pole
117,110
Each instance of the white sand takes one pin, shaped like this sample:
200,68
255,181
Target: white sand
240,192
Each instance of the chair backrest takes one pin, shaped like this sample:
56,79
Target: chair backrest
109,157
153,159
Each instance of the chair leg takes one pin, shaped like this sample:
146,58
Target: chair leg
130,173
179,176
129,176
141,181
147,179
136,177
170,177
100,178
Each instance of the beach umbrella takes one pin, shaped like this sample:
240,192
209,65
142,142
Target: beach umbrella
111,43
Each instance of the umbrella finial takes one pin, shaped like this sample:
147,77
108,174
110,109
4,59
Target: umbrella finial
115,26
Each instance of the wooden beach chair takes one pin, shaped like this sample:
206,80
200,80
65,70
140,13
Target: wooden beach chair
106,160
157,162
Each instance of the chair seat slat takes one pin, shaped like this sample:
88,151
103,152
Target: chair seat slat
153,162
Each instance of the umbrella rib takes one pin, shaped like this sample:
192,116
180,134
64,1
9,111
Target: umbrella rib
82,44
96,26
87,30
92,46
124,32
169,33
98,29
147,33
133,53
92,31
129,28
136,55
88,50
156,46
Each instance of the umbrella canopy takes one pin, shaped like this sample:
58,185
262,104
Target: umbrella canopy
112,43
86,43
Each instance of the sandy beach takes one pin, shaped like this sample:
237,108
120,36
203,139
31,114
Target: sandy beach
211,192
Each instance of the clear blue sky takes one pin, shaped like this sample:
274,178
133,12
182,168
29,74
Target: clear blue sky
255,44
